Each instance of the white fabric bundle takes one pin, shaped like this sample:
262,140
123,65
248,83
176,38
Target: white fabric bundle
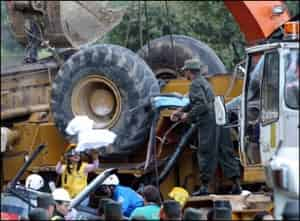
89,138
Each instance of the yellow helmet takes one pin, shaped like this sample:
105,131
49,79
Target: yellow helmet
179,194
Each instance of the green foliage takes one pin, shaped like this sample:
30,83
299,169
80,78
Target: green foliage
208,21
293,7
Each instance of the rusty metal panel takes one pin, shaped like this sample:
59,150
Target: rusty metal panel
25,92
254,174
31,135
220,85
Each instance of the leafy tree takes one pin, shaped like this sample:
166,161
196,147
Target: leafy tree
208,21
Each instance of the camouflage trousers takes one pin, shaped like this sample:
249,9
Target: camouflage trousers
215,147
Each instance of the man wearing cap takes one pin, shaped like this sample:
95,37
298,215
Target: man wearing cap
128,198
200,111
46,202
62,202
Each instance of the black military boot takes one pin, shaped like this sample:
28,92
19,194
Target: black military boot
203,190
236,188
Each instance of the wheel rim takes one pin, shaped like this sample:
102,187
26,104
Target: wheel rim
98,98
165,74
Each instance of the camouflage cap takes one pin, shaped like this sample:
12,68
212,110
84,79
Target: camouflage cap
195,64
192,64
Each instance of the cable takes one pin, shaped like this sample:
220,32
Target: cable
147,31
140,24
165,136
129,26
171,36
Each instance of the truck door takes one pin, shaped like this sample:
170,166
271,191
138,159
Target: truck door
251,113
269,126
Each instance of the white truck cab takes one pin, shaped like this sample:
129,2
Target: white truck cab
270,118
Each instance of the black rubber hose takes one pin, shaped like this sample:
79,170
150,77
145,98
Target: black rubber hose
26,165
179,149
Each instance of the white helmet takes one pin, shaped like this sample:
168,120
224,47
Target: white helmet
111,180
60,194
34,181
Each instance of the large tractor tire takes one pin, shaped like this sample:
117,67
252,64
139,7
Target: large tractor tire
165,60
105,82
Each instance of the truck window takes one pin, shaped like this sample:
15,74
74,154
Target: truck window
292,74
270,89
253,85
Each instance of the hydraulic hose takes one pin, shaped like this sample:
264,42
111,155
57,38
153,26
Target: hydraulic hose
179,149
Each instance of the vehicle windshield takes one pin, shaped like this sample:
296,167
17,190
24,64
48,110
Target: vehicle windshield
292,75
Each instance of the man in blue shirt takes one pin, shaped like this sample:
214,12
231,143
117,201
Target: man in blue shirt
122,194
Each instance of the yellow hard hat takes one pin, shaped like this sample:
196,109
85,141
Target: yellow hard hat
179,194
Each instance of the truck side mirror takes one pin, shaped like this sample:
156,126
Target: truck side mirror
220,110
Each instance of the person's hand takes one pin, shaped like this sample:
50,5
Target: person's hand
62,158
184,117
94,154
176,115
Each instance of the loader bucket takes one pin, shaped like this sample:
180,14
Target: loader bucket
96,19
66,23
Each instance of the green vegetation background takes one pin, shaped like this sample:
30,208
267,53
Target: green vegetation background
208,21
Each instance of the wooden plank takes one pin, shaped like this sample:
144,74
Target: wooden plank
238,202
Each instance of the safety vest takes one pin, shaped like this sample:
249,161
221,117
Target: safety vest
75,181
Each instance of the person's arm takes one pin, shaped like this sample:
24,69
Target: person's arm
59,167
92,166
199,105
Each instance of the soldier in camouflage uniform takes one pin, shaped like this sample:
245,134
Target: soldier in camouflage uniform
215,143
